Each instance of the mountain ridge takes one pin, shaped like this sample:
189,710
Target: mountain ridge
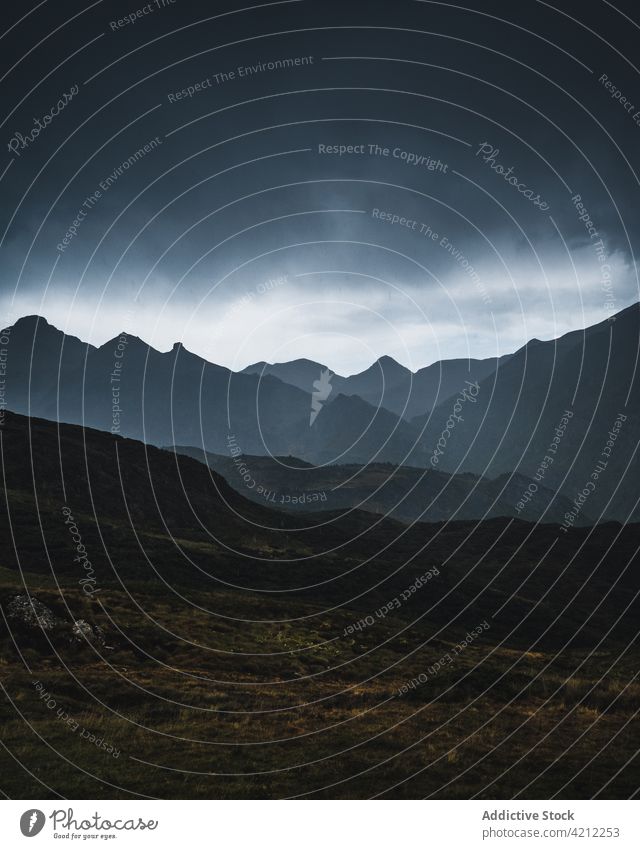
176,397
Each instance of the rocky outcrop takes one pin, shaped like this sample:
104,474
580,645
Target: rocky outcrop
29,616
82,631
29,611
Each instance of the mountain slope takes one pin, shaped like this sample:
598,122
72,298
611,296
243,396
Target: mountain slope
218,632
300,373
400,492
128,387
593,376
386,383
585,384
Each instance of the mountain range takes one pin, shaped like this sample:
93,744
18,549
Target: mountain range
487,418
400,492
386,383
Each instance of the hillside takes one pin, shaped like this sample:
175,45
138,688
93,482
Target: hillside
588,379
400,492
227,624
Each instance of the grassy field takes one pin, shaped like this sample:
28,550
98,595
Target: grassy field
196,706
294,663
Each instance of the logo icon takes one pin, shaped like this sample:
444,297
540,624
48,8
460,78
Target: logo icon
321,391
32,822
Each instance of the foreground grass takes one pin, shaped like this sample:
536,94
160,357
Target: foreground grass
199,705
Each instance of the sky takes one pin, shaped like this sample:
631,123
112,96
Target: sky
337,181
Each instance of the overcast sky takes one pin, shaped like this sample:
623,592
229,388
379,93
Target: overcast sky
169,200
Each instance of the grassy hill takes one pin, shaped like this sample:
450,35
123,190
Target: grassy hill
405,493
254,653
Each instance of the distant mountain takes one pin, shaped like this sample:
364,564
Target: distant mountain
400,492
39,358
127,387
435,383
583,385
349,430
300,373
517,418
386,383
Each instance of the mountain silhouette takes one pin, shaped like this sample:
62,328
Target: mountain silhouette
127,387
300,373
400,492
592,374
587,378
387,383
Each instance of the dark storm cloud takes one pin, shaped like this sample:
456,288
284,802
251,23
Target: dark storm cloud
209,151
